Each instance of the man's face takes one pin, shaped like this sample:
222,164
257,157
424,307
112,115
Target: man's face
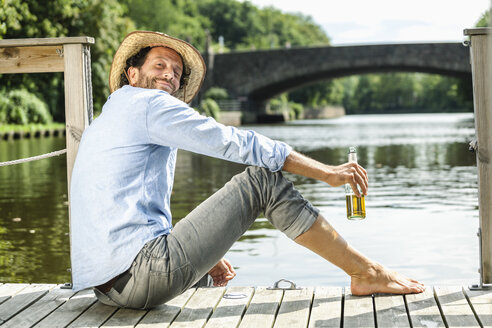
161,70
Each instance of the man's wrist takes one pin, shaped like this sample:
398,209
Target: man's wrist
328,173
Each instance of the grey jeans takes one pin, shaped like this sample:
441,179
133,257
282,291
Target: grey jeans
168,265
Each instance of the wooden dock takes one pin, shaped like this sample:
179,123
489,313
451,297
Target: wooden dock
42,305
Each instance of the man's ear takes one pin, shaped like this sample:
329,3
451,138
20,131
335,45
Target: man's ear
133,74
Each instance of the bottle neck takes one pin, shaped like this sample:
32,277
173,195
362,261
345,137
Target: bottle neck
352,157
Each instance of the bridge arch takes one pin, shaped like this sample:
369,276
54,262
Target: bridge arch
260,75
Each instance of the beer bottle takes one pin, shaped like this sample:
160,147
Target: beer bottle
356,207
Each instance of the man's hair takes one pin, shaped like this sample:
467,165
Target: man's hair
138,60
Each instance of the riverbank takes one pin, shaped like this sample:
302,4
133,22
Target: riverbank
14,131
325,112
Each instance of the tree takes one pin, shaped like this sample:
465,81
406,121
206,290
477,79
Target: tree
102,19
484,20
244,26
319,94
178,18
395,91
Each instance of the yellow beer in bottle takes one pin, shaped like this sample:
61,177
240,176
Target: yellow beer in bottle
356,206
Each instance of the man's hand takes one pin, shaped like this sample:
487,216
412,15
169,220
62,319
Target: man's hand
222,272
351,173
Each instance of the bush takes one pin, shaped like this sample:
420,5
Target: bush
22,107
295,110
209,107
216,93
276,105
3,108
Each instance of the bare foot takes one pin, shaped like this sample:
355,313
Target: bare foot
378,279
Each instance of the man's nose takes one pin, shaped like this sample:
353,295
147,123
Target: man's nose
168,73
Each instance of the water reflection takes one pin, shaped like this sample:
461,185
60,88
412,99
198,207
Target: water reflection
33,213
422,205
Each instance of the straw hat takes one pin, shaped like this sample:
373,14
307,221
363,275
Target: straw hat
194,66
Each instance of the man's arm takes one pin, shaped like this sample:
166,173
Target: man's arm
351,173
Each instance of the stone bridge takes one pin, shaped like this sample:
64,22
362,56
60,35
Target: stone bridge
256,76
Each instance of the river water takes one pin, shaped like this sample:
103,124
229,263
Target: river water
422,207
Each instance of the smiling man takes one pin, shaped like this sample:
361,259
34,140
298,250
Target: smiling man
161,70
123,241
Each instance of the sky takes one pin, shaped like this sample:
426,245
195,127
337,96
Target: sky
387,21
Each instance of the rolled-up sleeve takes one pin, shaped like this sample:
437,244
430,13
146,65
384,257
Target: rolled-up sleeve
172,123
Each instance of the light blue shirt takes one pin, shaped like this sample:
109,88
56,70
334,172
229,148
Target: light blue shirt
124,173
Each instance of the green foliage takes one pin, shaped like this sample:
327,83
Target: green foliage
276,105
484,20
30,127
22,107
279,104
295,110
102,19
244,26
282,104
233,20
12,12
390,92
319,94
241,24
216,93
179,18
209,107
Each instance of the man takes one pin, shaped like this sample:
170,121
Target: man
123,242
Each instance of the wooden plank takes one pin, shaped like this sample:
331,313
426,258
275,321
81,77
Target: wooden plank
199,308
231,307
477,31
358,311
21,300
163,315
481,301
9,290
480,53
455,308
294,309
95,316
45,41
391,311
31,59
69,311
327,308
125,318
37,311
423,309
262,309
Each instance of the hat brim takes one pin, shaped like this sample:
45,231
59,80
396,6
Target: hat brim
192,60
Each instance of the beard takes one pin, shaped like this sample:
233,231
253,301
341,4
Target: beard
151,83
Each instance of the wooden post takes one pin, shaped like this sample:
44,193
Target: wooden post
481,61
76,102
